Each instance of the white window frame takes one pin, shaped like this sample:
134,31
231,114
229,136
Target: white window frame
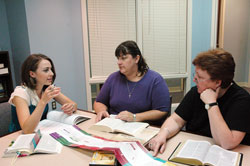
89,81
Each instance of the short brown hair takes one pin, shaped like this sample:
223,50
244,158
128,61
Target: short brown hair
218,63
31,64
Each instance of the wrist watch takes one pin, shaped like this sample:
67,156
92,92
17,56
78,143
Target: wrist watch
134,117
208,106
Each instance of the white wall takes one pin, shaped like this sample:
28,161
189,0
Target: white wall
54,29
236,40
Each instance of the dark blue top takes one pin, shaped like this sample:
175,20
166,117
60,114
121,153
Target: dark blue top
14,125
150,93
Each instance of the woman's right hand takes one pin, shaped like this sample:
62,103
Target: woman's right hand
100,115
50,93
157,144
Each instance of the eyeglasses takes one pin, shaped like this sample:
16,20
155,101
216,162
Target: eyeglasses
197,79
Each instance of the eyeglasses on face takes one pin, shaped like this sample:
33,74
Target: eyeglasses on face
198,79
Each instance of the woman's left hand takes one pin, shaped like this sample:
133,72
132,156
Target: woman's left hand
126,116
68,108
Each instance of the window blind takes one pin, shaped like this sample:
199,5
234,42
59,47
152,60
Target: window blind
110,22
164,35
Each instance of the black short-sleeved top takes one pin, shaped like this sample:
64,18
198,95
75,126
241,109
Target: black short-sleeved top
234,106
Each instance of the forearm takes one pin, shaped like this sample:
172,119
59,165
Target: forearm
150,115
32,121
99,107
221,133
62,99
171,126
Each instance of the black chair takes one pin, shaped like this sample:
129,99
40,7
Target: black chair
5,118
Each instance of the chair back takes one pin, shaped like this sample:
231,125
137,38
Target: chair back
5,118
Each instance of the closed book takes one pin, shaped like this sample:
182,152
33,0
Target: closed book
103,158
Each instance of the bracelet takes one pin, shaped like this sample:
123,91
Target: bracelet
134,117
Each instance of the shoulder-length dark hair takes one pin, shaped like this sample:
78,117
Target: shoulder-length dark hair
130,47
31,64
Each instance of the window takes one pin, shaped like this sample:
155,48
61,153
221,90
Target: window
158,26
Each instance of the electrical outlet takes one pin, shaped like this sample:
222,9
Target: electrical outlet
53,105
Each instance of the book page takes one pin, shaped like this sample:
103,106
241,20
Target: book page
48,144
75,136
111,123
59,116
48,126
221,157
22,143
136,156
194,149
131,128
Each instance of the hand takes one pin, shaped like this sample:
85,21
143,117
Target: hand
126,116
157,144
100,115
68,108
209,95
50,93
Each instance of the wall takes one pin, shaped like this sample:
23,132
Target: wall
236,40
201,28
5,37
18,34
54,29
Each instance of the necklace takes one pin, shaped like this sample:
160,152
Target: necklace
130,92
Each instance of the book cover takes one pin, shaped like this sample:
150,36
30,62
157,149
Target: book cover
103,158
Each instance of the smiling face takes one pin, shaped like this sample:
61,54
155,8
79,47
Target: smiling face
127,64
43,74
203,80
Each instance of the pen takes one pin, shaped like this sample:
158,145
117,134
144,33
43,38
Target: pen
12,142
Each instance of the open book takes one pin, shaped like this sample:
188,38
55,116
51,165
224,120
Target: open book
193,152
61,117
27,144
116,125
